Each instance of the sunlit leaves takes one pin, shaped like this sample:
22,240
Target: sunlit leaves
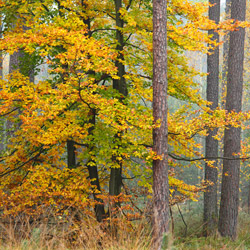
76,39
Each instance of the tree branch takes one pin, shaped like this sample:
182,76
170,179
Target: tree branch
206,158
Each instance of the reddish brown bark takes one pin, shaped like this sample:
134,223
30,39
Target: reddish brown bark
160,166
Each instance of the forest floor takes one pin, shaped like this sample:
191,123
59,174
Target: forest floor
90,236
190,237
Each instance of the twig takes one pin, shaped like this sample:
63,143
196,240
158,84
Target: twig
186,227
172,219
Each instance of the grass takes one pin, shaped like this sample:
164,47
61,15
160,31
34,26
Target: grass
195,240
57,233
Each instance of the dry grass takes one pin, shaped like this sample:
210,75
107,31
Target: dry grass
24,232
55,232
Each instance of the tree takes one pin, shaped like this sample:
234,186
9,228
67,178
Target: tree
121,87
1,57
160,137
211,172
2,121
232,139
225,53
80,122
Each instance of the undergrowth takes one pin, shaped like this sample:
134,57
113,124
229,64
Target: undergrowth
55,232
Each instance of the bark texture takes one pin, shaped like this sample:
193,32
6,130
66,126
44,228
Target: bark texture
232,139
93,172
211,173
225,51
160,138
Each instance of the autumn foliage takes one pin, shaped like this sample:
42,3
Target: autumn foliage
78,103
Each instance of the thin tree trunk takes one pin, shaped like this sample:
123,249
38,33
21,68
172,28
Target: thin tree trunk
120,85
225,53
71,156
93,173
248,201
232,140
211,173
160,137
91,164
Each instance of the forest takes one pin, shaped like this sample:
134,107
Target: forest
124,124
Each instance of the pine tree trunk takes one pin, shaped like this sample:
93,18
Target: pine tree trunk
160,138
232,139
211,173
225,51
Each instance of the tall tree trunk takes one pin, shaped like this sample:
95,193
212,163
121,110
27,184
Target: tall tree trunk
231,168
224,83
160,134
91,164
211,173
120,85
248,200
2,122
93,173
225,51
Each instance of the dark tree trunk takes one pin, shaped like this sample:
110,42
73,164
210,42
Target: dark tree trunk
248,201
211,173
91,164
93,173
71,156
160,137
232,138
120,85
